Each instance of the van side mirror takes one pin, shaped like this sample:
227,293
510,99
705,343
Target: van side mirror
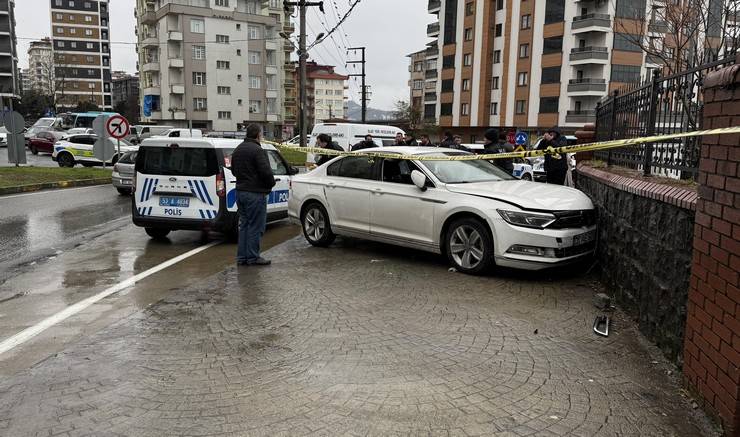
419,179
293,170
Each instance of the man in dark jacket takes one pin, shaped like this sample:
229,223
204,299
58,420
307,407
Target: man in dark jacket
399,140
556,166
410,140
496,143
425,141
324,141
254,181
367,143
448,141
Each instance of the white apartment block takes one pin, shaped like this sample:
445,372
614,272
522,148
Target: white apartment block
218,64
40,74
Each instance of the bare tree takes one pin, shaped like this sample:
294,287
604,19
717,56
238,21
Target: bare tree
409,114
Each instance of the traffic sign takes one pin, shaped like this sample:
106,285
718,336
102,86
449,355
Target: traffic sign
510,137
117,127
521,138
103,149
99,126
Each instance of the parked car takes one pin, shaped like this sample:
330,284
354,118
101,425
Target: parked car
78,149
35,130
79,130
471,211
44,142
123,173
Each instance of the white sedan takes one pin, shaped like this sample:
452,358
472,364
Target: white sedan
471,211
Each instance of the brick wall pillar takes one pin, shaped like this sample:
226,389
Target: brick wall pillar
712,340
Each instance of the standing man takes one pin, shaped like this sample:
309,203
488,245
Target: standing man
399,140
556,166
425,141
367,143
496,143
324,141
254,181
448,140
410,140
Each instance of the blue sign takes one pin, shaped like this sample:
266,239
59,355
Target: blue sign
521,138
148,106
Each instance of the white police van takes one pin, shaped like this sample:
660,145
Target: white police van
185,183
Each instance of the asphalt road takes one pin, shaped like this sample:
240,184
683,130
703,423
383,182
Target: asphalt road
40,160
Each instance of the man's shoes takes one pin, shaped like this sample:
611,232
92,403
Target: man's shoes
259,262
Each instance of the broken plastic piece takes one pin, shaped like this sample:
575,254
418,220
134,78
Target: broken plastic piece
601,325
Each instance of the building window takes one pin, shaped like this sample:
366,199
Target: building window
88,32
271,82
255,82
448,61
448,85
494,82
239,77
73,44
255,106
59,16
89,59
549,105
552,45
270,58
465,109
254,32
445,109
466,84
494,108
526,21
521,106
627,42
625,73
223,90
497,56
197,26
200,104
468,34
255,58
238,52
73,31
271,106
554,11
223,65
634,9
431,64
239,102
199,78
418,84
469,9
467,60
499,30
550,75
60,30
222,39
199,52
522,78
90,45
224,115
418,66
524,50
222,3
499,4
88,19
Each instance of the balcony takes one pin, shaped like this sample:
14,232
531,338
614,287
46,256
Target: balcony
290,101
174,35
587,86
288,46
434,6
657,26
151,90
586,116
177,88
289,28
176,63
148,17
178,114
150,40
589,55
592,23
150,65
432,52
430,97
289,83
430,74
433,30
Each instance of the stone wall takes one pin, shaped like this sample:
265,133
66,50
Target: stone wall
645,235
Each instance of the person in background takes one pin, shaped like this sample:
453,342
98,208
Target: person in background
367,143
254,181
495,143
424,142
324,141
399,140
410,140
556,166
448,140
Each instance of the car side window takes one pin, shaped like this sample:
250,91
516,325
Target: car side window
78,139
276,163
356,167
333,169
398,171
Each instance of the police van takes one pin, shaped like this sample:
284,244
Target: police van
186,183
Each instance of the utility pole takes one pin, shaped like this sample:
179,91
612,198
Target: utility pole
364,88
302,57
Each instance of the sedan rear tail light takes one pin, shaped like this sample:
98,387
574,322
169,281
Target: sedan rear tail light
115,168
220,185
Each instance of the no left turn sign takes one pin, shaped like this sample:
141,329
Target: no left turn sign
117,127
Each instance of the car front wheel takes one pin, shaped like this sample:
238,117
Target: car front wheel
527,177
65,160
34,150
316,226
469,246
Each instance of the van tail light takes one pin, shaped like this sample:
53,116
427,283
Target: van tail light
115,168
220,185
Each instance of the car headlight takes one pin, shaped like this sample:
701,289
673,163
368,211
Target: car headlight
527,219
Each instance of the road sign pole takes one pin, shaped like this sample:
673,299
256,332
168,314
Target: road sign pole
119,147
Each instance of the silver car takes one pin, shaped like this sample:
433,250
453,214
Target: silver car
123,173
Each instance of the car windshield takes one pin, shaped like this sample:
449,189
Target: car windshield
464,172
128,158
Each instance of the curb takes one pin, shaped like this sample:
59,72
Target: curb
48,185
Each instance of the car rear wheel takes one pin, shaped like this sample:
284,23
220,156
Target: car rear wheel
34,150
316,226
527,177
469,246
156,233
65,160
124,191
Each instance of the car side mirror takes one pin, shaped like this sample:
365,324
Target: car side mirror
293,170
419,179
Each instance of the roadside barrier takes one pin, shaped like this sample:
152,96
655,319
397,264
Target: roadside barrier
524,154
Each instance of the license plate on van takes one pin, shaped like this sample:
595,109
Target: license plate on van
584,238
177,202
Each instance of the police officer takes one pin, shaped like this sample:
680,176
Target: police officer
556,166
496,143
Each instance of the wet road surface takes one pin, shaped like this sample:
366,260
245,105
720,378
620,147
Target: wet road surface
40,160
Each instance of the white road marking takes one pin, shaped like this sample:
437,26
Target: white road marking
53,191
71,310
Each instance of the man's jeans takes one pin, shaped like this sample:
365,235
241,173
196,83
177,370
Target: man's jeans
252,221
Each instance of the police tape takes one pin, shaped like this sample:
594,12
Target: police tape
588,147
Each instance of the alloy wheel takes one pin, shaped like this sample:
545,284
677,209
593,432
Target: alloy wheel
466,247
314,224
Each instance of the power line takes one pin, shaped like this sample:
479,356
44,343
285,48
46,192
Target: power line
351,8
167,42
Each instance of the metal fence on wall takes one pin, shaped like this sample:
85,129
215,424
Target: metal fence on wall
662,105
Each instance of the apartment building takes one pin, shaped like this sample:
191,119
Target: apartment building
325,93
423,82
25,80
533,64
41,66
80,32
219,64
10,80
124,87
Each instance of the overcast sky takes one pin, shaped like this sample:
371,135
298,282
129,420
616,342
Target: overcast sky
390,29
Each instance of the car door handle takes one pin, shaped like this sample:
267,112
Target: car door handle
277,179
378,191
331,185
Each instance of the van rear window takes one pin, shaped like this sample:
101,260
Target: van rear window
177,161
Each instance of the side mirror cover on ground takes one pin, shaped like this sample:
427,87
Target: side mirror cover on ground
419,179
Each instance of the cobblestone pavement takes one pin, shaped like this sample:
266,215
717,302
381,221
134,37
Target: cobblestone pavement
358,339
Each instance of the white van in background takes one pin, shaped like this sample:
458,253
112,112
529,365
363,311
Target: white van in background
143,131
349,134
180,133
